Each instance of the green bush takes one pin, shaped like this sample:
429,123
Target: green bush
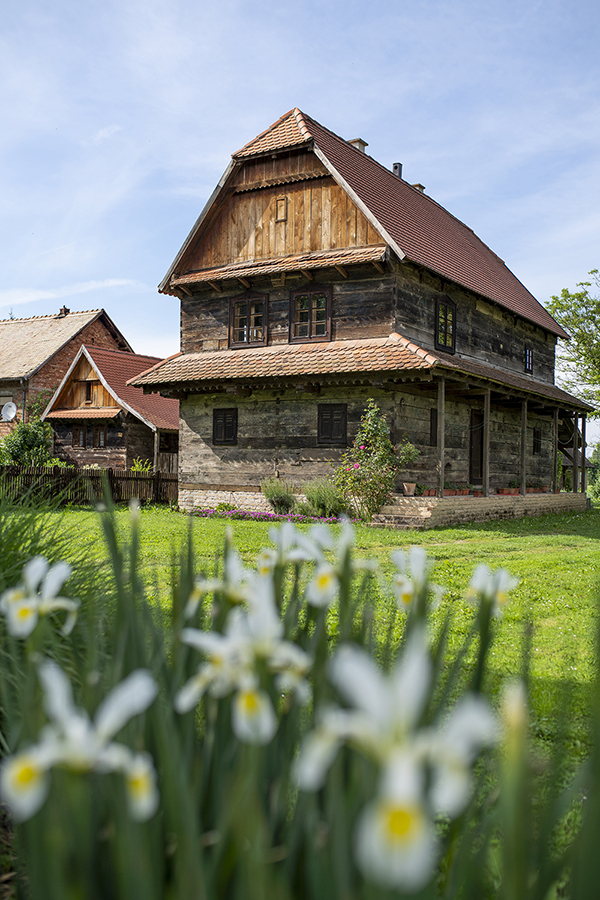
29,444
324,498
368,471
279,493
143,466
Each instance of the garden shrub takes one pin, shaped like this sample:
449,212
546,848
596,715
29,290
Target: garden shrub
29,444
279,493
368,471
324,498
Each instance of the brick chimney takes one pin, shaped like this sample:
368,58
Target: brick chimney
359,144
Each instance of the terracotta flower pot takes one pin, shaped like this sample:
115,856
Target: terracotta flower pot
408,488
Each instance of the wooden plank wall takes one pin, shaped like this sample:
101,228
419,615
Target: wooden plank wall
319,215
74,392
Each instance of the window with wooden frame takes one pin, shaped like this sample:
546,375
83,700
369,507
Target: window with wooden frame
528,359
100,435
225,422
79,436
537,441
88,391
332,424
445,325
248,321
310,314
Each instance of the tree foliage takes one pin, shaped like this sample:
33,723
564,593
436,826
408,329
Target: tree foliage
29,444
578,313
367,474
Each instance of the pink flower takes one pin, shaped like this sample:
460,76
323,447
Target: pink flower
356,466
362,447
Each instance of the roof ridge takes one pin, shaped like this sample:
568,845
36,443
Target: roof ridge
130,355
262,134
77,312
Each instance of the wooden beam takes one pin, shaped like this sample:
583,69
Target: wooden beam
523,447
555,451
307,274
216,287
185,290
342,271
575,452
243,281
156,439
441,425
379,266
487,410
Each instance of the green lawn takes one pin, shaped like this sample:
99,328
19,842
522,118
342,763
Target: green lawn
557,559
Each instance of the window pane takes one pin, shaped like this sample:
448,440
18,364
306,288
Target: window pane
240,322
302,315
256,321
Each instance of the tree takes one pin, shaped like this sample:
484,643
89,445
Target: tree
368,471
579,359
29,444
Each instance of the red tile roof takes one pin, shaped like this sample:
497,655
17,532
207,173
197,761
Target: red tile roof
412,223
280,360
323,260
66,415
391,355
115,369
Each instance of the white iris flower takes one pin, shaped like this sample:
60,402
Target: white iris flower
491,587
252,636
36,596
73,741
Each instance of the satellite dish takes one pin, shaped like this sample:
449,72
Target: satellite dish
9,411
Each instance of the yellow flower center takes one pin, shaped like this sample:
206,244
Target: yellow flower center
250,702
26,774
139,784
324,580
25,612
401,822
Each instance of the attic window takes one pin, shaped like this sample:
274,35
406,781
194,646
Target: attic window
528,359
281,213
445,325
248,321
88,392
310,314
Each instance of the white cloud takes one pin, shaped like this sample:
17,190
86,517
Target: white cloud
18,296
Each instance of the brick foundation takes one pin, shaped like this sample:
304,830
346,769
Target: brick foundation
191,498
429,512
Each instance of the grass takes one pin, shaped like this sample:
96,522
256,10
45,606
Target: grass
556,558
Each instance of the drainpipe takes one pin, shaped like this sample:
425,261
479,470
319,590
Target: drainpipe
156,450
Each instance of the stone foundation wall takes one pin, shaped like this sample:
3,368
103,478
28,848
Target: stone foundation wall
429,512
193,497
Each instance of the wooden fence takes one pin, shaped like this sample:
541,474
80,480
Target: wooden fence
86,486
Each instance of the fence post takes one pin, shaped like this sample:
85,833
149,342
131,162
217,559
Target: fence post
156,487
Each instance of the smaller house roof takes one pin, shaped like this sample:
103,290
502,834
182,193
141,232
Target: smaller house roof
26,344
115,369
392,354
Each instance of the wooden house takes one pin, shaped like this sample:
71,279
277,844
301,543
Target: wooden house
99,419
36,352
314,279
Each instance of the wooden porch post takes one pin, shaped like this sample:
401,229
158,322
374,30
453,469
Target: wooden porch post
555,452
487,406
155,450
583,448
523,447
575,452
441,433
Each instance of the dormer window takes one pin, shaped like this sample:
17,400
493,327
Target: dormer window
310,314
445,325
528,358
248,321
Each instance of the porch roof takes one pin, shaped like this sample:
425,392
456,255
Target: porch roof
73,415
393,356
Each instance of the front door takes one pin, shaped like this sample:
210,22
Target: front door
476,448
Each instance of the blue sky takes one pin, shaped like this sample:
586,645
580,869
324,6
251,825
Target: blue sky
119,118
